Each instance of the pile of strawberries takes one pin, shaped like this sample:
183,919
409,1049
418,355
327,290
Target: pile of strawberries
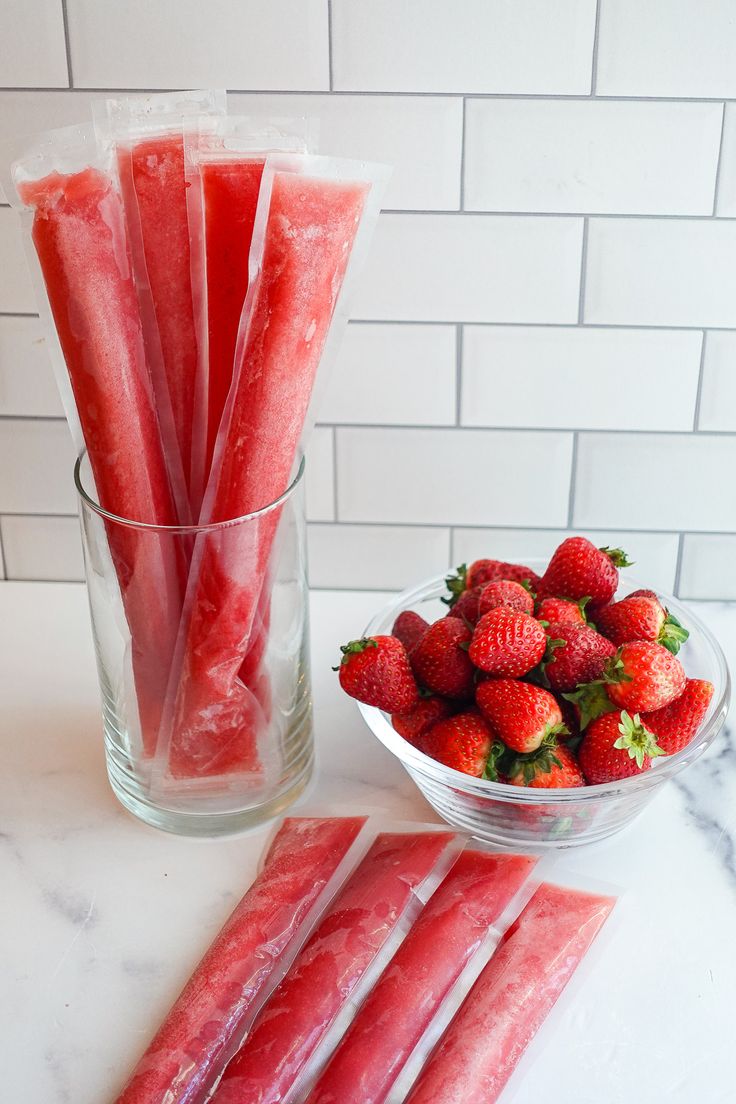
545,682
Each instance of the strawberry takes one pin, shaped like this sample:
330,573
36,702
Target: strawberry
615,746
440,660
643,677
562,610
578,569
376,670
466,607
413,725
676,724
462,742
409,628
641,617
520,714
481,572
548,768
506,642
504,592
579,658
642,594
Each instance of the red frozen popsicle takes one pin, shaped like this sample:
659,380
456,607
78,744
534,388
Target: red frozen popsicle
153,186
207,1020
400,1007
291,1025
311,226
79,237
511,998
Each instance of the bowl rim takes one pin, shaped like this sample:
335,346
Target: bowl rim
668,766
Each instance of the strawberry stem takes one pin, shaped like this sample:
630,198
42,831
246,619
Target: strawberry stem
617,556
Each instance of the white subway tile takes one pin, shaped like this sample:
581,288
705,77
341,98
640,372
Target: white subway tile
42,548
579,378
320,493
16,292
472,268
36,468
27,385
475,46
708,566
665,481
188,44
655,554
726,201
420,136
33,50
661,272
718,396
588,155
666,48
394,375
24,115
379,557
453,477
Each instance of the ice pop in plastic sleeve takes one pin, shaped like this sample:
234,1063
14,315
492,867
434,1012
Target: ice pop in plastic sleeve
398,1010
363,917
512,997
208,1020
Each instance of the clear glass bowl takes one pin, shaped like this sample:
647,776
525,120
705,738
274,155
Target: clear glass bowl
512,816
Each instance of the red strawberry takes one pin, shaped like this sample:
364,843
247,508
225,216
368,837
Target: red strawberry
409,628
615,746
562,610
641,617
376,670
578,570
440,660
412,726
644,677
676,724
488,571
642,594
466,607
462,742
506,642
520,714
549,768
580,658
504,592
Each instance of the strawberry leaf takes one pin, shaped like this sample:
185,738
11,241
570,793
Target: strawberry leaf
673,634
490,772
592,700
456,584
617,556
355,647
640,743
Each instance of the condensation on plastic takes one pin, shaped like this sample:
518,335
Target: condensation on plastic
216,632
231,142
129,123
347,950
372,1041
469,1054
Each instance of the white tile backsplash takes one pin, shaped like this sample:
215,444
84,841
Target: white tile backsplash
658,481
32,49
188,44
579,378
382,557
16,292
419,136
394,375
661,272
319,475
453,477
471,46
472,268
708,566
36,467
726,202
27,385
42,548
718,395
667,48
591,156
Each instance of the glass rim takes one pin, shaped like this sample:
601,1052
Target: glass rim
182,530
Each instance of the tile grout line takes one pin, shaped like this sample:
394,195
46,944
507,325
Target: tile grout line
583,272
335,509
67,45
462,154
678,564
718,162
569,325
638,216
444,427
596,39
573,481
329,44
459,335
699,390
3,564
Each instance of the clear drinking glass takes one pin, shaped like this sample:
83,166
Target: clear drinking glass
202,645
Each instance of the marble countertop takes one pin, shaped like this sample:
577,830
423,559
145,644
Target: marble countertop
102,919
